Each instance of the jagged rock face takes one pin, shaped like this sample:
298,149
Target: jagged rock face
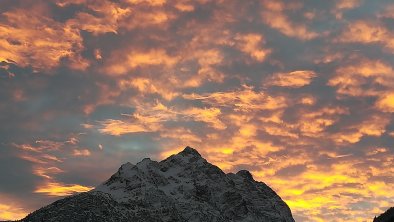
183,187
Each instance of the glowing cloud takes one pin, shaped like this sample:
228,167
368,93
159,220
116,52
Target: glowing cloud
10,212
31,38
293,79
250,44
274,15
58,189
386,102
355,79
245,99
368,32
118,127
140,59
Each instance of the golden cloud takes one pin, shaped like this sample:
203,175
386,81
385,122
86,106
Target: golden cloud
355,79
148,86
343,5
59,189
245,99
386,102
9,211
309,123
347,4
46,172
150,2
29,38
149,118
107,17
250,44
274,15
184,6
119,127
181,133
295,79
136,59
374,125
368,32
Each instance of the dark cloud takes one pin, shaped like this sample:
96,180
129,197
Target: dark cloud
291,171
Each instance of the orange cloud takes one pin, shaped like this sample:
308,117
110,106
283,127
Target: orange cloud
149,86
368,32
10,211
45,155
135,59
308,100
251,44
372,126
59,189
150,2
184,7
354,79
280,130
118,127
343,184
347,4
106,18
313,123
245,99
183,134
143,17
386,102
46,172
109,16
343,5
206,115
295,79
29,38
151,119
274,15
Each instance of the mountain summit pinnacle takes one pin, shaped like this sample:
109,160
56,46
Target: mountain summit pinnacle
184,187
188,150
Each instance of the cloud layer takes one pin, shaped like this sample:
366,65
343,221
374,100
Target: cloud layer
300,93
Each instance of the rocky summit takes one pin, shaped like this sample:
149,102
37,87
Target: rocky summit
183,187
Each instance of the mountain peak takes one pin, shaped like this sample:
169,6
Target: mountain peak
245,174
190,151
183,187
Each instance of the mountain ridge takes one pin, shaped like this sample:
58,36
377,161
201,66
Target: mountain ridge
182,187
387,216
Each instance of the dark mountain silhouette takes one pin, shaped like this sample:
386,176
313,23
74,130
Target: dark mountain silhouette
183,187
387,216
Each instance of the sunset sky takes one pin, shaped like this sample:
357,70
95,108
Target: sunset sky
299,92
